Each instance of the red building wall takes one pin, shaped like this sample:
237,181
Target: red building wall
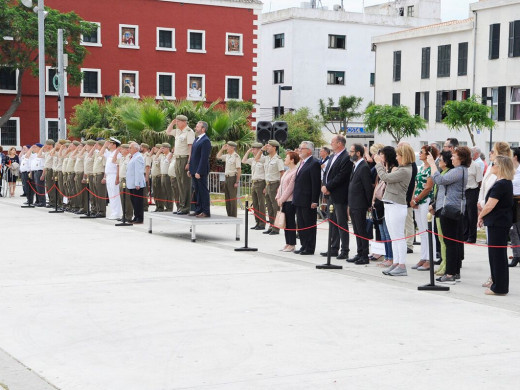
216,20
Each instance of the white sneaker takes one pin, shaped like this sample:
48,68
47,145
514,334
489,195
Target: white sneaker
112,218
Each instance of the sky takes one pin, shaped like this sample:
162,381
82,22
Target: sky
450,9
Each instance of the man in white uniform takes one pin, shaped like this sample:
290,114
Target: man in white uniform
112,148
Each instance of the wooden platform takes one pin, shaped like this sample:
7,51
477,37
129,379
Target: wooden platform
193,222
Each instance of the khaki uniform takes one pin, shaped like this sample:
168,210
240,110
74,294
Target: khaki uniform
173,181
65,190
71,185
88,171
80,187
183,138
49,177
257,189
272,167
166,187
58,168
233,163
100,189
156,182
146,190
125,198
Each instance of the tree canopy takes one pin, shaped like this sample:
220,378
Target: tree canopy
302,127
21,23
394,120
340,115
468,114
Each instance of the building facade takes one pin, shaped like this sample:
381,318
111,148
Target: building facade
167,49
425,67
325,54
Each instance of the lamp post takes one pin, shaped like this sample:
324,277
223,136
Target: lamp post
280,89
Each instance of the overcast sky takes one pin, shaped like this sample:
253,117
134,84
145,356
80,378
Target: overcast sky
451,9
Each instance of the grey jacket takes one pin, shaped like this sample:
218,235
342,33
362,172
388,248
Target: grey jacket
451,188
396,183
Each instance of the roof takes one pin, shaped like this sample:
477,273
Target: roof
436,25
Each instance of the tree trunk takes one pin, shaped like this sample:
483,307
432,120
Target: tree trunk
15,103
471,136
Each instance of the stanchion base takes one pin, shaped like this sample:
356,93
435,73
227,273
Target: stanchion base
87,217
246,249
433,287
56,211
28,206
329,266
124,224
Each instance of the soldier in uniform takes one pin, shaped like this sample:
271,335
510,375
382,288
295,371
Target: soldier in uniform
79,184
145,150
166,187
156,178
47,152
100,189
184,137
71,184
65,175
258,184
88,174
122,161
58,168
173,180
274,169
232,172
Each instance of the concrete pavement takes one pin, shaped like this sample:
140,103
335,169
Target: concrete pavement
86,305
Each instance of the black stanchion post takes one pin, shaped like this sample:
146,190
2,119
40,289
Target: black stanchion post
55,211
246,248
89,214
329,265
431,286
123,223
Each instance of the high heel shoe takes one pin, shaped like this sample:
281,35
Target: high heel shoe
488,283
514,262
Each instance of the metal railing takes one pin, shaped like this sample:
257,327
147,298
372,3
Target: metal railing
216,182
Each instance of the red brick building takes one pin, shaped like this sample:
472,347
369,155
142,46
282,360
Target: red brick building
189,49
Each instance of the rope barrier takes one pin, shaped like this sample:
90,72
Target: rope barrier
36,192
289,230
474,244
368,239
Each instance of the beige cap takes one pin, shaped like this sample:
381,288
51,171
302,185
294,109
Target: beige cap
182,118
256,145
125,146
274,142
143,145
166,145
91,142
101,142
50,142
75,143
231,143
62,141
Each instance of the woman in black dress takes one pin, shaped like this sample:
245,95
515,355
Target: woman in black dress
497,216
13,163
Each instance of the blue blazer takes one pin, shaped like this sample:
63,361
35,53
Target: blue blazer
200,152
135,172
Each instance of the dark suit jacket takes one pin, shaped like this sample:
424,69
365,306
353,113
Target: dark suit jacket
307,184
337,177
360,189
199,161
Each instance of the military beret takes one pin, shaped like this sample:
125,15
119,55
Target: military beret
166,145
125,146
83,142
274,143
182,118
67,144
158,145
231,143
256,145
143,145
101,142
50,142
91,142
75,143
39,145
62,141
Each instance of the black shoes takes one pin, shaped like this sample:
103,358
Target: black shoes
354,259
408,250
274,232
305,253
362,261
342,256
268,231
514,262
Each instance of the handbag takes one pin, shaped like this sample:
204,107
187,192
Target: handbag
380,190
279,221
451,211
370,228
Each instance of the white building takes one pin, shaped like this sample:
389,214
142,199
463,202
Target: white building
327,53
424,67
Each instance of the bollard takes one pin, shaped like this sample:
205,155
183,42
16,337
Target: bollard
246,237
123,223
55,211
329,265
431,286
88,215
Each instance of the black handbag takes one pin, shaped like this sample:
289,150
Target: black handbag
451,211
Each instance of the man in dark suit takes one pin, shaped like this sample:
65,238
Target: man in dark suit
199,169
360,199
306,196
336,179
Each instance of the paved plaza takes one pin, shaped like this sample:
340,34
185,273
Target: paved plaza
86,305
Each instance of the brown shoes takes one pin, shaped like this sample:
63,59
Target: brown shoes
202,215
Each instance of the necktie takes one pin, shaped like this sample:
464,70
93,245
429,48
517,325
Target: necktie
300,167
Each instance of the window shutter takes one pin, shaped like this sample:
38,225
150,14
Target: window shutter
468,93
417,103
427,105
453,95
516,38
501,116
484,96
494,41
438,107
511,38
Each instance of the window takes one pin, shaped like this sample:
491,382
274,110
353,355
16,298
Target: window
233,88
514,39
396,99
337,41
129,83
165,86
279,40
397,65
409,11
196,87
196,41
234,44
10,132
515,103
494,103
278,77
442,98
93,39
52,126
463,59
91,83
165,39
425,63
422,104
494,41
8,80
128,36
51,83
335,77
372,79
444,61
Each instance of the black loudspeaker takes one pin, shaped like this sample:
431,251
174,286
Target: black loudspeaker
280,131
264,131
